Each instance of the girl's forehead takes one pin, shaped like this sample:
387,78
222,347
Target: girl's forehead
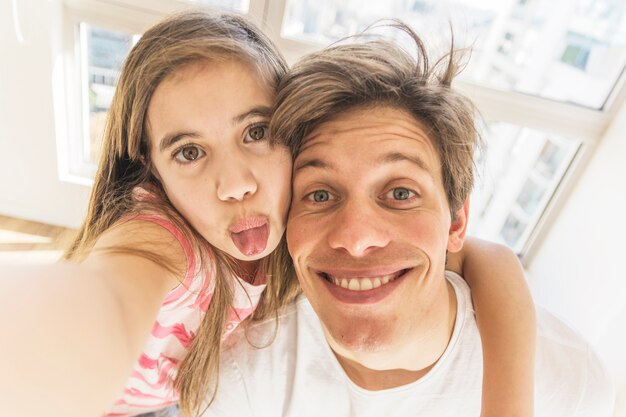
208,97
201,67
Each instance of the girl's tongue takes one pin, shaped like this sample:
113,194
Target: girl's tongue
251,241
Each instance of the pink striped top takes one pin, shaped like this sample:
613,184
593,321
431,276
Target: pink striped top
150,385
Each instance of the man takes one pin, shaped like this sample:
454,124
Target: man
382,173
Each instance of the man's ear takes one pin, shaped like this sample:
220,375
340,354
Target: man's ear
458,228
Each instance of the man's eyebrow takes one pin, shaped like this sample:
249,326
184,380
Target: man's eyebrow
313,163
171,138
383,159
399,157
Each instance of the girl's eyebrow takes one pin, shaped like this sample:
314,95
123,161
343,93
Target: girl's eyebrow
171,138
264,111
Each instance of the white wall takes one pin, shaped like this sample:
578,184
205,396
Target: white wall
578,271
29,185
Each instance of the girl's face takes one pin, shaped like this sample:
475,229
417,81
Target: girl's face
207,124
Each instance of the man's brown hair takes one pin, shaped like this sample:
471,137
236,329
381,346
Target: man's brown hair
379,72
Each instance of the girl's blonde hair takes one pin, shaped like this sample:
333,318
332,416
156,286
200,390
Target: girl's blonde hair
179,40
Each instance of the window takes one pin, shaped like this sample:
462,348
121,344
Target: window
502,38
519,173
103,53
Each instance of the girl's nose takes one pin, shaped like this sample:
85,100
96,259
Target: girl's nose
236,182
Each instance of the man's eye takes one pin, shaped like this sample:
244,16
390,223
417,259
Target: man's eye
401,193
320,196
188,154
256,133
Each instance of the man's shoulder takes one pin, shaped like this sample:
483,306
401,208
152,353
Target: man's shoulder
568,368
570,380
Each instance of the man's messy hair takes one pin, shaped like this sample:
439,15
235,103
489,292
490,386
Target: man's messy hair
371,71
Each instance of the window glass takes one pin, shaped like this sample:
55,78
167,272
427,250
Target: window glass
518,174
105,51
566,50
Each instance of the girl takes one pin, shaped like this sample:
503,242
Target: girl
182,236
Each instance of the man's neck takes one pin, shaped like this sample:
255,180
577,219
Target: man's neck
404,364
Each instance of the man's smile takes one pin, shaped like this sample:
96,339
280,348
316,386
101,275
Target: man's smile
362,281
362,286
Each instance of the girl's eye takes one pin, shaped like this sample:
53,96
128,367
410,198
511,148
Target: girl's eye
320,196
256,133
188,154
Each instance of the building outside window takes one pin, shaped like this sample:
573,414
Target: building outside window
106,51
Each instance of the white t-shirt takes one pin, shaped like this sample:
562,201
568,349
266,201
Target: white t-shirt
298,375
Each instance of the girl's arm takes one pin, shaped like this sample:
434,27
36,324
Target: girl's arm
70,333
505,314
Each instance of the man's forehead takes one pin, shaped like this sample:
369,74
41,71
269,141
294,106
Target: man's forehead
371,122
377,136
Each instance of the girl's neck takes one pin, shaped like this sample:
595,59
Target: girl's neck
247,270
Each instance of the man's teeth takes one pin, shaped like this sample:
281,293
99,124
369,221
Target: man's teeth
363,283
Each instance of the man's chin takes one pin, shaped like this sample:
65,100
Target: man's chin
360,336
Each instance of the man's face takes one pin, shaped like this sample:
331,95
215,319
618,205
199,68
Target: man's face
369,228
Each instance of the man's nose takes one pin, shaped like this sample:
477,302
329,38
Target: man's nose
358,229
235,180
